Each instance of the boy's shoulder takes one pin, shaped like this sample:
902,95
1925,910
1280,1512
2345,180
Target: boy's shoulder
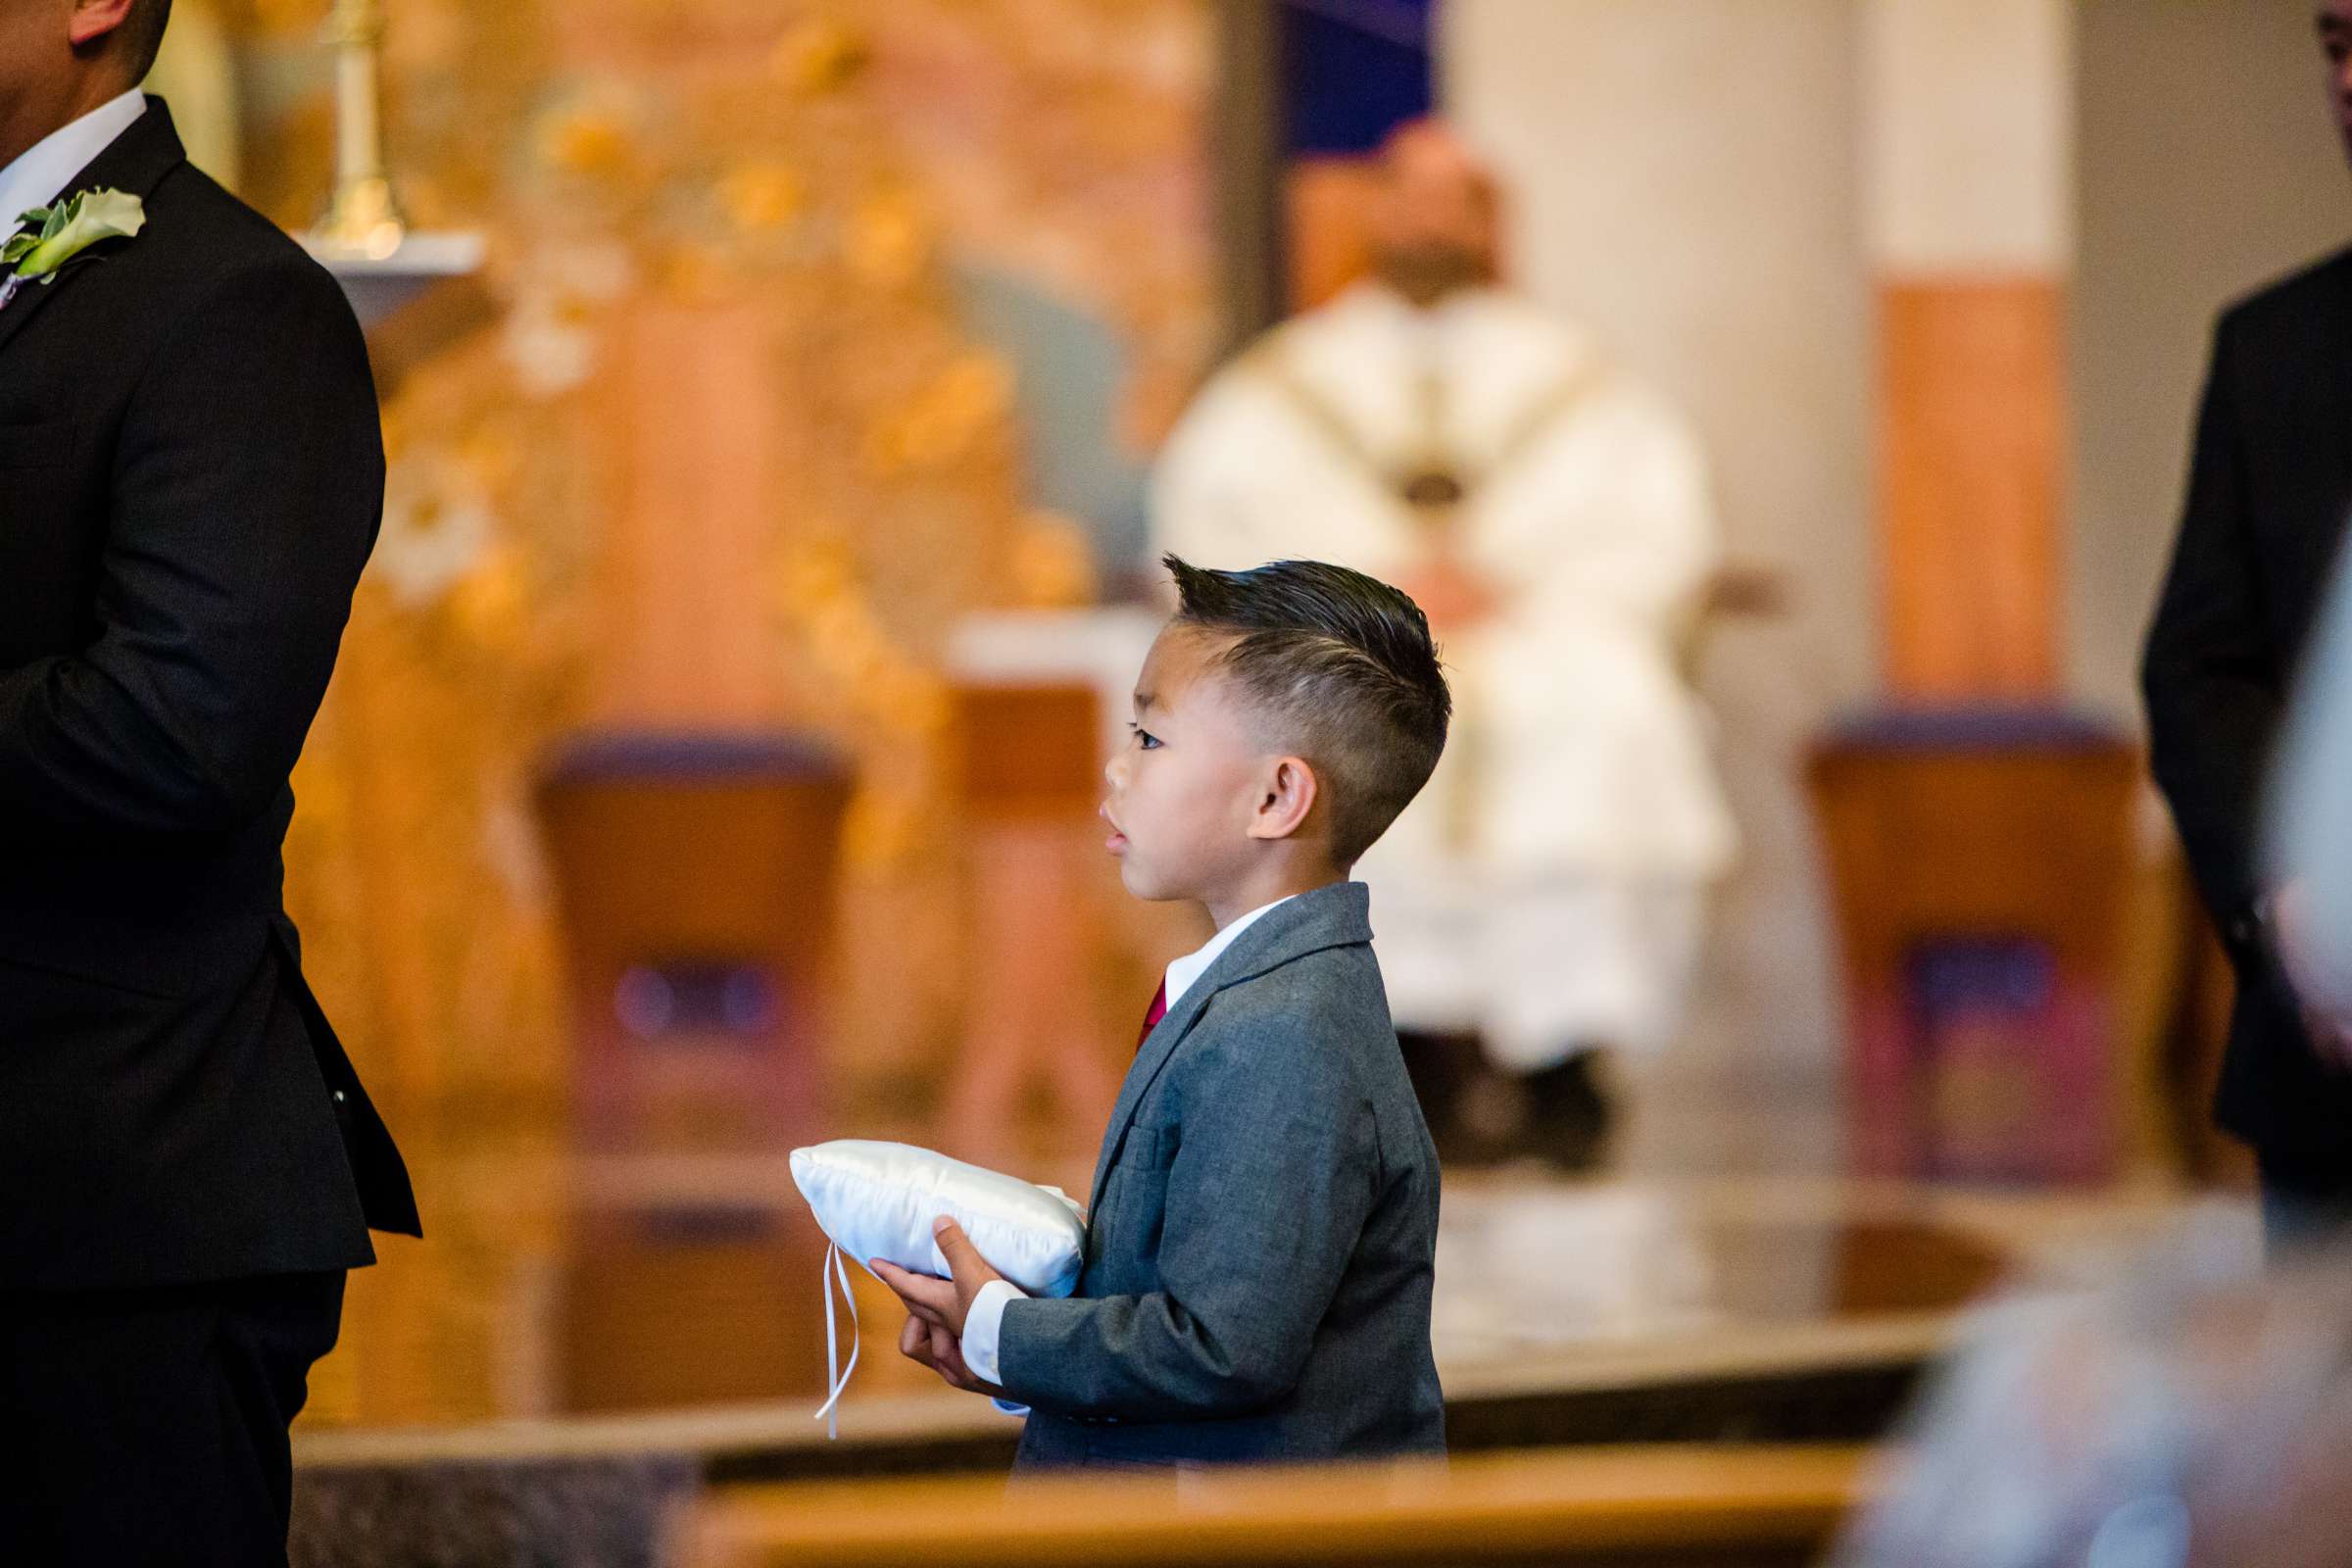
1293,993
1302,984
1311,1015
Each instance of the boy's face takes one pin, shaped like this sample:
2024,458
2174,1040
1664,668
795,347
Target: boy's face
1185,790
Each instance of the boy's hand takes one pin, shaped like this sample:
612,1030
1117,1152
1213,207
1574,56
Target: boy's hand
929,1344
936,1309
944,1303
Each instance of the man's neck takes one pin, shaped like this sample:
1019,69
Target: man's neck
28,126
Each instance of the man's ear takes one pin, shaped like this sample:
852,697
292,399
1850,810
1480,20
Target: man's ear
93,20
1286,799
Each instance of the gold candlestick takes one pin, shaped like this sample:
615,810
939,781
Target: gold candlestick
364,220
364,240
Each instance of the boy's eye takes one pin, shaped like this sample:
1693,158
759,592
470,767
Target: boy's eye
1145,738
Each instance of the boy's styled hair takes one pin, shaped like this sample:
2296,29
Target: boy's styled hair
1344,663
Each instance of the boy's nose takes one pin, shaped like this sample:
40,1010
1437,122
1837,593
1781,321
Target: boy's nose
1116,771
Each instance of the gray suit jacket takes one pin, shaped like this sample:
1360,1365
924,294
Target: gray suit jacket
1262,1232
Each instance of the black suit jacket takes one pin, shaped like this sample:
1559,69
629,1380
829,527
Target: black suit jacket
191,475
2269,488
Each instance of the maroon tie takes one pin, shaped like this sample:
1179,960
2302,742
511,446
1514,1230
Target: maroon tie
1159,1011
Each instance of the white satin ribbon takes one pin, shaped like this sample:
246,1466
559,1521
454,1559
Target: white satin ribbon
837,1380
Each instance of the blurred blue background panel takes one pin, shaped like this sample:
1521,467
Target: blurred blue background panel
1071,370
1353,71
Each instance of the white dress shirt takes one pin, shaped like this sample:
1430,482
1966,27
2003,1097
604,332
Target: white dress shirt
40,174
983,1325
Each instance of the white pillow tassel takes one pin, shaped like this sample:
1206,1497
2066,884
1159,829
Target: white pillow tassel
837,1382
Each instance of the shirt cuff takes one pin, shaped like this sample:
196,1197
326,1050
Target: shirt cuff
983,1324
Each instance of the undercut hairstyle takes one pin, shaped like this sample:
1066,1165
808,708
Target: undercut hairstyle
1343,667
142,35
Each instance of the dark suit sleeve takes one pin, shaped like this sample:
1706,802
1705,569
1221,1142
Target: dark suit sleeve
1268,1192
246,491
2212,670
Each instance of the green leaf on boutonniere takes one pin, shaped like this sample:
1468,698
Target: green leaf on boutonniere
69,227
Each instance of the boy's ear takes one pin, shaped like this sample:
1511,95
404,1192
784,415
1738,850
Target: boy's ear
1286,798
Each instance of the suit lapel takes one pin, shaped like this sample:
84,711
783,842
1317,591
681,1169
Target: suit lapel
30,297
1329,916
2336,359
135,162
1157,1046
2308,536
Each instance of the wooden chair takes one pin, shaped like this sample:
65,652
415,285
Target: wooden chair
1029,774
1980,860
697,878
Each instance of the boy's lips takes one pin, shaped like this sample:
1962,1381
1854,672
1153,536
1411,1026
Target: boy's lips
1118,835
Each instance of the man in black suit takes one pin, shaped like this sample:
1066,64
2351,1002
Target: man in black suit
190,481
2270,487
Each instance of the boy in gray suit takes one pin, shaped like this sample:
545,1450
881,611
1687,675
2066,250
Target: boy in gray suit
1264,1215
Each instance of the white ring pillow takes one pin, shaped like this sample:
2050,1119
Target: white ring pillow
875,1199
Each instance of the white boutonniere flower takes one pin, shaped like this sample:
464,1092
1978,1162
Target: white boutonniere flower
54,235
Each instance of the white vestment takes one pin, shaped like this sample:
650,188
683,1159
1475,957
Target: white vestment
1548,887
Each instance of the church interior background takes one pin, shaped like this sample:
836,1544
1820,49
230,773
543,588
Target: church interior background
711,762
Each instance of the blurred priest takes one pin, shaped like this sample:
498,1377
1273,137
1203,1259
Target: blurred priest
1546,896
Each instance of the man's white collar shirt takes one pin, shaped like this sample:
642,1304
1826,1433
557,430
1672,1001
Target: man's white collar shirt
984,1324
40,174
